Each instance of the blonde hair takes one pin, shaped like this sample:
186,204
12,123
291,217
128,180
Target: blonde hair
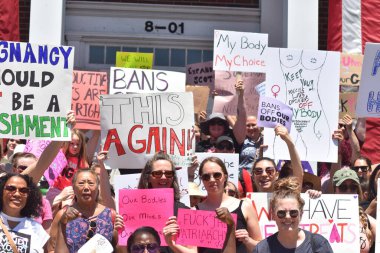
285,188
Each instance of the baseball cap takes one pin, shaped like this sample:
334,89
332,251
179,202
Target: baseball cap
344,174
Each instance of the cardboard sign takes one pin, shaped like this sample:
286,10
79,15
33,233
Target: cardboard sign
146,207
273,112
350,69
201,228
231,161
87,87
200,95
35,90
334,216
308,82
134,60
123,80
226,101
134,125
347,104
368,104
240,51
200,74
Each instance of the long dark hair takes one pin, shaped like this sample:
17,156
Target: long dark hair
372,186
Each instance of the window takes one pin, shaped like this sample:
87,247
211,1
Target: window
111,54
178,58
97,54
194,56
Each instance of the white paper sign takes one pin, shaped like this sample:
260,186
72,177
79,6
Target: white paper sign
307,81
231,161
124,80
97,244
35,90
240,51
334,216
368,103
134,125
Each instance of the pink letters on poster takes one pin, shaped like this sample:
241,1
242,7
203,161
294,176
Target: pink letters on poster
201,228
145,207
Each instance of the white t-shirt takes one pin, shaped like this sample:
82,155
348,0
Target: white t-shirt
29,236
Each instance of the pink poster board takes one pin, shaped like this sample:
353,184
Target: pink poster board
87,87
144,207
201,228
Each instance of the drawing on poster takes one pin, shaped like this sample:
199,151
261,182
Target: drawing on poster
300,79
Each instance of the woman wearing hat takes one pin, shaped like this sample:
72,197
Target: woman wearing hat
217,125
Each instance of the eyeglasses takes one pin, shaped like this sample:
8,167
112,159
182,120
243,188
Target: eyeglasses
351,187
259,171
159,173
225,146
230,192
91,230
216,122
216,176
362,168
282,213
12,189
139,248
22,167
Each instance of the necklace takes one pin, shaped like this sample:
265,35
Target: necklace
11,218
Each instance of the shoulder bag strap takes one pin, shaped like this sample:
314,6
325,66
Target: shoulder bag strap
11,242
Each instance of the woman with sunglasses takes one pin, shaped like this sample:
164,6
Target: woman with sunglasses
144,240
86,217
287,207
159,172
214,176
362,166
21,203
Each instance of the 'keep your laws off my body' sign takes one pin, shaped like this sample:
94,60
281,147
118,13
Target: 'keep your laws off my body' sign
134,125
35,90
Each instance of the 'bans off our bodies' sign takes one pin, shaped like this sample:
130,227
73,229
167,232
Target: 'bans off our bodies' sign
35,90
134,125
273,112
240,51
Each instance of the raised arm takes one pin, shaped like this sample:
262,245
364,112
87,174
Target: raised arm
105,186
354,142
239,128
337,136
92,144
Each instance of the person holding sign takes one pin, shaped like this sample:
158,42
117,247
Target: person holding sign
214,176
159,172
287,207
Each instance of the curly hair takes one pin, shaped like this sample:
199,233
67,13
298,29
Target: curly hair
33,206
140,230
363,219
219,162
145,173
285,188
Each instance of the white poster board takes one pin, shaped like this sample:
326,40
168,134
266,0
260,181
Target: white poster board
307,81
231,161
368,103
334,216
124,80
134,125
240,51
35,90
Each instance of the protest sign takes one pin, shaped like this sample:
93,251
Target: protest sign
368,103
347,104
350,69
334,216
97,244
273,112
123,80
87,87
231,161
240,51
307,81
150,207
35,90
134,125
200,96
200,74
226,101
260,89
201,228
134,60
36,147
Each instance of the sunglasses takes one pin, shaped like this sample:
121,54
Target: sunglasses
362,168
292,213
230,192
268,170
159,173
223,146
216,176
91,230
22,167
139,248
12,189
217,122
344,188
